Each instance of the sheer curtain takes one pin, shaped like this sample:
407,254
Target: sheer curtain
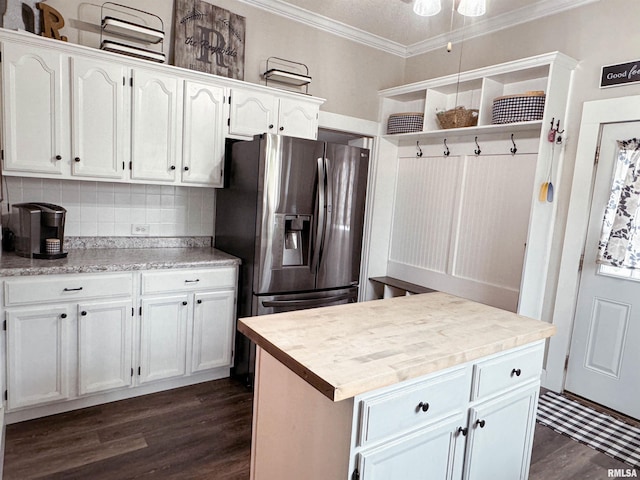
619,244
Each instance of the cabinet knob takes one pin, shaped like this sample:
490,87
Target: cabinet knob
424,406
186,168
83,313
77,159
271,126
184,303
516,372
199,300
63,315
463,431
480,423
281,128
172,167
58,157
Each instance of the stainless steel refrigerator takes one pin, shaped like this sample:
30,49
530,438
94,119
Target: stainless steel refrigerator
293,210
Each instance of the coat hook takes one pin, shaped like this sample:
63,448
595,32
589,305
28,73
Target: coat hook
477,151
513,149
419,150
446,151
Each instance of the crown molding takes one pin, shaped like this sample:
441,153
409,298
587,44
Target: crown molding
478,28
329,25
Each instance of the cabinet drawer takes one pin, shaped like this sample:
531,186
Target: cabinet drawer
506,371
402,410
185,280
62,288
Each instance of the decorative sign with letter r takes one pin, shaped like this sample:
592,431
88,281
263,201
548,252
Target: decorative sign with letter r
208,39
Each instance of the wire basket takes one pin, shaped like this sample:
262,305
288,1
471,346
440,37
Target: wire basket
458,117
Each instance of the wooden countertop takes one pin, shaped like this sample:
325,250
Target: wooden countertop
347,350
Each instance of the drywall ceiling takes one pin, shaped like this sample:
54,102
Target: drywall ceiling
391,25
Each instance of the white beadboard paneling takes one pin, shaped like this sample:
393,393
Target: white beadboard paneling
494,218
424,206
109,209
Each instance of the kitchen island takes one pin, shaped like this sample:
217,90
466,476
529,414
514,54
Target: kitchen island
395,388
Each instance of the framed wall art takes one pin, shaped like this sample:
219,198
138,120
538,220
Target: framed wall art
209,39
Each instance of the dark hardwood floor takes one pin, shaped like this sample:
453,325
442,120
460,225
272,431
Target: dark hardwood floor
201,432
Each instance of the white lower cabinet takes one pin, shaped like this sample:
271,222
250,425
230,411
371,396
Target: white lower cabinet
475,422
162,339
105,333
75,340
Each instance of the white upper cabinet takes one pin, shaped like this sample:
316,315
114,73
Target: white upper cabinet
254,112
98,119
153,125
203,140
33,113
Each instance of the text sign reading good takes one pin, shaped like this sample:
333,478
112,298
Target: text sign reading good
209,39
620,74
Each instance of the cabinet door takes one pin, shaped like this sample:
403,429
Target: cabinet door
432,453
203,136
104,346
33,117
154,125
163,337
213,326
298,119
501,437
252,113
37,349
98,118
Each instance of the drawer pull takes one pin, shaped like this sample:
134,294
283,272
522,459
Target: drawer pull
480,423
424,406
192,281
72,289
516,372
83,313
463,431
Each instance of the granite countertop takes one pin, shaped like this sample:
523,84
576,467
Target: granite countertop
347,350
90,260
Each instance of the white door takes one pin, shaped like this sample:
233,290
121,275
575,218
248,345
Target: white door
37,354
432,453
604,355
298,119
104,346
252,113
154,125
34,119
97,120
213,325
203,139
501,436
163,338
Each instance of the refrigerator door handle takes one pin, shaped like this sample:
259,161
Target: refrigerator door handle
320,223
313,302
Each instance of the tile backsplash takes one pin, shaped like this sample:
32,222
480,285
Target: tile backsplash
101,209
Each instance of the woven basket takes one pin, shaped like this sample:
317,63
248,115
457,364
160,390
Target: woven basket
524,107
458,117
405,122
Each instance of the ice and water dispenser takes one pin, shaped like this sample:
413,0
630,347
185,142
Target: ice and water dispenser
292,234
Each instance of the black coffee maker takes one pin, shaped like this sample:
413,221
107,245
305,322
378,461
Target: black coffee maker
40,230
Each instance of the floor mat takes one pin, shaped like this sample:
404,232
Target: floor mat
586,425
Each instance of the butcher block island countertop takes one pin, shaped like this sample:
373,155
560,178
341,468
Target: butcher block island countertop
347,350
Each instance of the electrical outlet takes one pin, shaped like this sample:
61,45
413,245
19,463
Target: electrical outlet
140,229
